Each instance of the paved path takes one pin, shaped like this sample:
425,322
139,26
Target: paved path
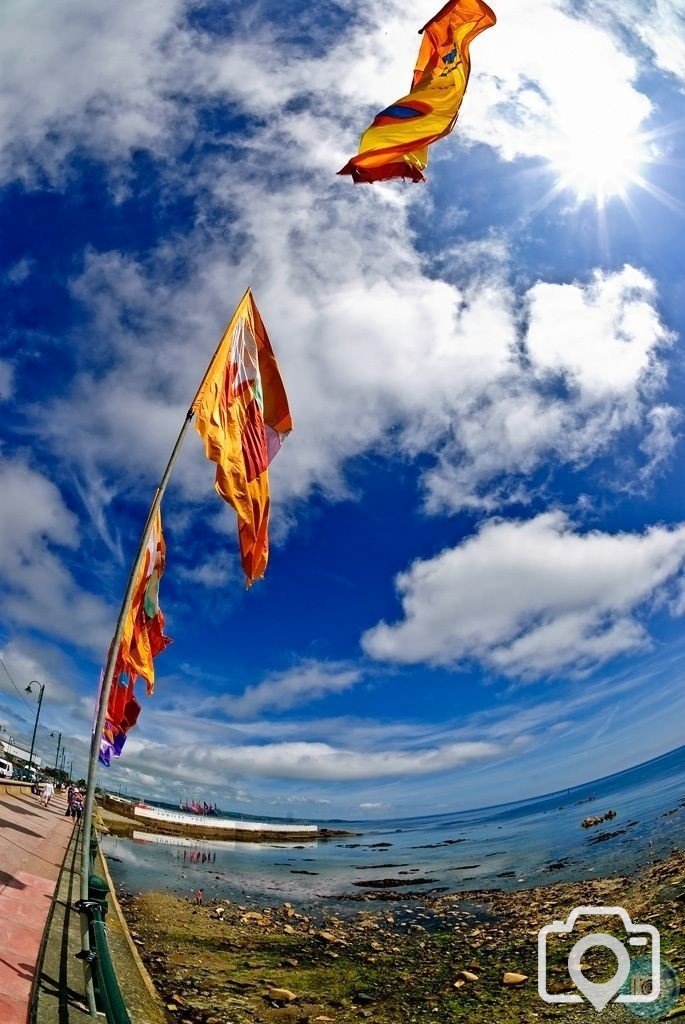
33,841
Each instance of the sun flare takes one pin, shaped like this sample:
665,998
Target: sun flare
598,164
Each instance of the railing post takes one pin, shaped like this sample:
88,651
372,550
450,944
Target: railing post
93,848
109,999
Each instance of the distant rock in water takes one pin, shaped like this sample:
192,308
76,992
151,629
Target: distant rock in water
558,865
392,883
597,819
435,846
376,867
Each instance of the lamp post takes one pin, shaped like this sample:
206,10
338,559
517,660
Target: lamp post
59,741
35,724
71,770
62,762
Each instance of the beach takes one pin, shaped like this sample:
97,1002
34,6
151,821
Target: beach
412,920
434,958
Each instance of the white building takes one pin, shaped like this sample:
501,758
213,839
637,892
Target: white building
18,753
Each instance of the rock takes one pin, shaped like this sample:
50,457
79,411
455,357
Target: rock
363,998
253,915
280,995
288,929
467,975
328,937
512,978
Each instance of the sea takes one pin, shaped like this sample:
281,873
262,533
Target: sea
510,846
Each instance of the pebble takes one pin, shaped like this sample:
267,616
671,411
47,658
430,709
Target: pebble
281,995
467,975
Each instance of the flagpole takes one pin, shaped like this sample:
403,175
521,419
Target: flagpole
108,676
102,705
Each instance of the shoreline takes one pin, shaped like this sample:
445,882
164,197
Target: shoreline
414,957
118,820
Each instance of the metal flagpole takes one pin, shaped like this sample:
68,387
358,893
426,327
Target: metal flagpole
102,710
108,676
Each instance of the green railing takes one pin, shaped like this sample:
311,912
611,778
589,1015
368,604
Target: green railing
108,997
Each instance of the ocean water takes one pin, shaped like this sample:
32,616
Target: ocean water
511,846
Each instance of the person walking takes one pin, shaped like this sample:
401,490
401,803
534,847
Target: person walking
46,796
77,806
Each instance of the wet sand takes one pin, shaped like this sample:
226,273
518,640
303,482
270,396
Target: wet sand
414,958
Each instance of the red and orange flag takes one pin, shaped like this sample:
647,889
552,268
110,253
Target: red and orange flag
396,144
142,639
242,416
143,635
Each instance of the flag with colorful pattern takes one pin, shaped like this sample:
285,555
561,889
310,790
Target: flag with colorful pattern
396,144
242,416
142,639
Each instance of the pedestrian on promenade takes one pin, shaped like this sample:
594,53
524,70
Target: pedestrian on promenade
76,806
48,790
70,797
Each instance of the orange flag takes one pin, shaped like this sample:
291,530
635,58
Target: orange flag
242,416
143,634
396,144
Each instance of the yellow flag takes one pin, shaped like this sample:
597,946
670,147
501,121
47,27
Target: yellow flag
396,144
242,415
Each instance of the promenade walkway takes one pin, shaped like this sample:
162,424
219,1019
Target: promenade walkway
33,842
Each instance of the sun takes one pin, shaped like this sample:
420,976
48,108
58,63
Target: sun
597,154
599,162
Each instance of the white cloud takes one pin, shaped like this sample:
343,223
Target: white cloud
307,681
376,353
39,592
661,27
601,339
660,442
110,73
324,762
370,361
583,369
546,82
530,598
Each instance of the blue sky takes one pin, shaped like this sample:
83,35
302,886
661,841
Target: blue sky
476,589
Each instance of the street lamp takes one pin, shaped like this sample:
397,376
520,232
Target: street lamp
10,739
59,741
35,724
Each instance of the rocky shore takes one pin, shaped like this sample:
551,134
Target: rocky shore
415,958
